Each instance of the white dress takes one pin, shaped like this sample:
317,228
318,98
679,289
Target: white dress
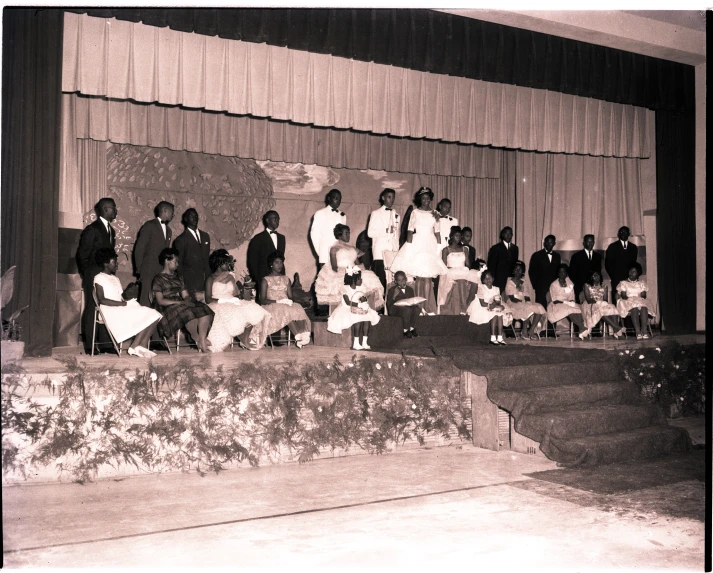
328,286
123,322
418,258
520,310
342,317
556,312
480,314
232,316
633,290
457,270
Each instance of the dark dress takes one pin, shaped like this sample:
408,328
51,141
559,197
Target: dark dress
176,316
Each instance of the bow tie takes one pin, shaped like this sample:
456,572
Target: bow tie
450,218
548,252
388,209
164,222
272,232
335,210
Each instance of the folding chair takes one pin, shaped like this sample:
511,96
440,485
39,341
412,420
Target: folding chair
99,319
280,336
176,337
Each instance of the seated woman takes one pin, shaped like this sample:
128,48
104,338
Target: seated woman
233,315
562,303
173,301
354,311
276,297
520,305
458,286
330,280
124,318
488,308
596,306
632,301
408,314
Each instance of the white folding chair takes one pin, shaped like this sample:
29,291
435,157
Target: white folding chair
99,319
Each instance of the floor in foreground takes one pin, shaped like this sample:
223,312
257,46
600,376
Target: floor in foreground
455,506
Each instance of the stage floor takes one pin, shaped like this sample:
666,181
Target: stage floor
311,353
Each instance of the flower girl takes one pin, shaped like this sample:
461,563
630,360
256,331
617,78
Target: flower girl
354,311
487,307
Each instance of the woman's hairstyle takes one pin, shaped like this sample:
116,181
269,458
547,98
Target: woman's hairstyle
478,263
103,256
485,273
455,229
167,254
503,232
218,258
563,266
351,279
384,192
184,217
273,256
520,264
339,230
590,278
420,193
637,266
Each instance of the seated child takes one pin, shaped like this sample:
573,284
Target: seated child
408,314
488,308
354,311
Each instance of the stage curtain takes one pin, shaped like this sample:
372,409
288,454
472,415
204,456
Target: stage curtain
431,41
261,139
124,60
570,196
675,220
31,73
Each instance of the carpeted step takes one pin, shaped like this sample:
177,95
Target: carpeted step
617,447
570,397
542,375
568,424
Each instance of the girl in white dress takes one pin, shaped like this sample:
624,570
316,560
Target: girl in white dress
488,308
354,311
328,286
233,315
632,301
455,257
124,318
417,257
562,303
531,313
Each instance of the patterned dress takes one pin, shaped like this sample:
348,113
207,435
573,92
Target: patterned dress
283,314
633,290
175,316
592,313
233,315
480,314
520,310
556,312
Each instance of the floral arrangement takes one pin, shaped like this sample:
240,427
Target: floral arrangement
672,376
185,417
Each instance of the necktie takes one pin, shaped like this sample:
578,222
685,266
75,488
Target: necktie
507,246
196,235
589,254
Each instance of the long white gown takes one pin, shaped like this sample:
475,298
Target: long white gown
418,258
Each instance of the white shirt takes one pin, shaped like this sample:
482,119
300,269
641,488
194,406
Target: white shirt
195,233
322,231
549,255
589,254
444,228
163,227
106,224
507,245
380,222
624,244
273,235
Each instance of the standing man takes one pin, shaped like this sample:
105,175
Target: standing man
261,245
502,258
445,222
619,256
543,269
97,235
153,237
323,223
383,230
193,247
583,264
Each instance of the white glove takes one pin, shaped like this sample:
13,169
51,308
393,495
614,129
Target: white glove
286,301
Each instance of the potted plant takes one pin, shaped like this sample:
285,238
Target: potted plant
12,348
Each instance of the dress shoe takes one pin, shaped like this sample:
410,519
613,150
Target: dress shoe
414,333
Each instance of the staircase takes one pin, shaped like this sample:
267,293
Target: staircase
580,411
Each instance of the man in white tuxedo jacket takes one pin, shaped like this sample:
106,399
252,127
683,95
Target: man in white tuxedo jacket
323,223
383,230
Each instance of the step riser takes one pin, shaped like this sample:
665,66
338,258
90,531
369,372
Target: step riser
539,376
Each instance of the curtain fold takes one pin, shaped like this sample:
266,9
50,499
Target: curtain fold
261,139
124,60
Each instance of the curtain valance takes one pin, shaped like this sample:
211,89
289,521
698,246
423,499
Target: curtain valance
124,60
262,139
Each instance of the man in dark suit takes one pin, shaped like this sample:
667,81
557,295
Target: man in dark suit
543,269
262,244
193,247
619,257
154,236
97,235
502,258
583,264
